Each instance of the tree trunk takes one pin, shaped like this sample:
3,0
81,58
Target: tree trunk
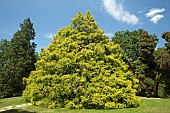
155,89
146,88
140,82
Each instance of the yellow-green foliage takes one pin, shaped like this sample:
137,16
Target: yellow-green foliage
81,68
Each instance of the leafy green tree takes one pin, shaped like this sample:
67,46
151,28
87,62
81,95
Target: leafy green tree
19,58
138,46
129,42
81,68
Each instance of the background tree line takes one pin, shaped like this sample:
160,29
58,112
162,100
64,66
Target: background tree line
17,58
151,65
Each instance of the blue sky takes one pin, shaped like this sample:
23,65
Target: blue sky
48,16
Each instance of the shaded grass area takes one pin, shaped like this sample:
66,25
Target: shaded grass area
16,111
146,106
11,101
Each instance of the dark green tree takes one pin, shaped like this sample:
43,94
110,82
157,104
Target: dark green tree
147,45
5,89
81,68
137,47
166,36
162,59
20,58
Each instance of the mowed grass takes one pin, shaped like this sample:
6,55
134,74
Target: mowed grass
11,101
146,106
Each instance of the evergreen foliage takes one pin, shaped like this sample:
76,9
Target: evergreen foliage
18,58
147,45
162,59
5,89
166,36
81,68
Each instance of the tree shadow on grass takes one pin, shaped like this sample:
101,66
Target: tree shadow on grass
16,111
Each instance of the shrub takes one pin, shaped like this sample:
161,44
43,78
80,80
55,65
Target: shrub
81,68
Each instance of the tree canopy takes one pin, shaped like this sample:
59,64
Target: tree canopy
162,59
150,64
5,89
17,60
81,68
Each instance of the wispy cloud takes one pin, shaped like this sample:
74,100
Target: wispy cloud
143,10
118,12
49,36
155,15
152,12
156,18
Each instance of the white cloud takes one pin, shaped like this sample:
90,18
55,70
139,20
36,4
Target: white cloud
118,12
156,18
154,14
50,35
154,11
143,10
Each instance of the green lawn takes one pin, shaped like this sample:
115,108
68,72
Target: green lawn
11,101
146,106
